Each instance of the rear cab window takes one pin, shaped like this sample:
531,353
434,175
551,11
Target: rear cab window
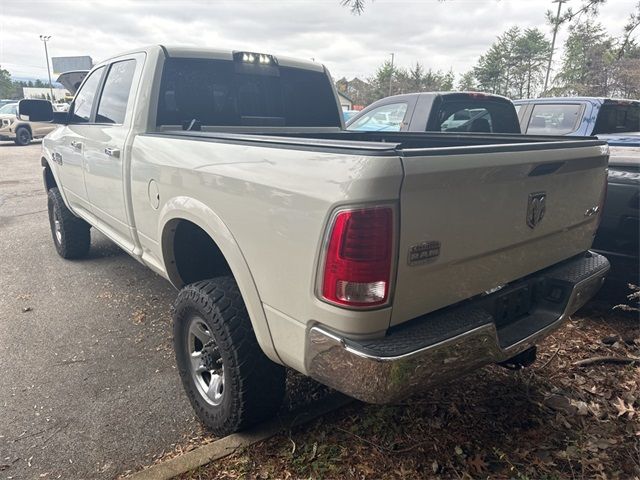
473,114
385,118
554,118
618,117
198,92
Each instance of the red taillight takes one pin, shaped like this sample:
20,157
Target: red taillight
357,268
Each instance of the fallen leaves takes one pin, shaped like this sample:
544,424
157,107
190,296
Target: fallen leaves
623,408
563,421
477,464
560,403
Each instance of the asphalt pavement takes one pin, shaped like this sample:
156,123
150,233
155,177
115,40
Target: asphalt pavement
88,387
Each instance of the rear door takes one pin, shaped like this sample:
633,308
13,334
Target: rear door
105,148
473,219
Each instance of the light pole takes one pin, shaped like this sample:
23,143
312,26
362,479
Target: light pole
45,39
553,41
391,73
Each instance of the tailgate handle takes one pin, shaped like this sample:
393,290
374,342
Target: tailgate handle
545,169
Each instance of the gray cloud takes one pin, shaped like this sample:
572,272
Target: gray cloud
441,35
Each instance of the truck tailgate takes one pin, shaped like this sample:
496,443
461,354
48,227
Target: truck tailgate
472,219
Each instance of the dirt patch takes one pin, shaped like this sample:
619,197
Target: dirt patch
556,419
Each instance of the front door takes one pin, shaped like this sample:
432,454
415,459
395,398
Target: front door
69,147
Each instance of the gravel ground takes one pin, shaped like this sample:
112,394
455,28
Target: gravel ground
88,387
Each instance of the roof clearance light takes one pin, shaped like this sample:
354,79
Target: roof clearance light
255,58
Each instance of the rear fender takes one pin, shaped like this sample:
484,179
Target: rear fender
186,208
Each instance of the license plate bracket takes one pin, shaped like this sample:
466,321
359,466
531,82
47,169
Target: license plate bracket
514,304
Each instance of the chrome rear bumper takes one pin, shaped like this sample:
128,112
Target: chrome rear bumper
447,344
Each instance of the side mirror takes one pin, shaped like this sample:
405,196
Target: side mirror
35,110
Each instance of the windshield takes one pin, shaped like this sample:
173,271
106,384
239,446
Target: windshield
9,109
618,118
231,93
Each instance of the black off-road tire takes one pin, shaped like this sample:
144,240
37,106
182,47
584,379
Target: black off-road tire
23,136
73,237
254,386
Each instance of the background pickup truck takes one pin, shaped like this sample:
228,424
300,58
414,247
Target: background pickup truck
438,112
377,263
617,122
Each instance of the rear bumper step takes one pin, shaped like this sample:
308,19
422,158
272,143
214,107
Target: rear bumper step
449,343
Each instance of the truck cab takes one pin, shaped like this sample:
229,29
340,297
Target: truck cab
454,112
615,120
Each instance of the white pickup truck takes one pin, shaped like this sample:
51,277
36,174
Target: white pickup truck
378,263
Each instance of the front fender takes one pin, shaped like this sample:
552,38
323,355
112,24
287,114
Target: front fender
50,167
196,212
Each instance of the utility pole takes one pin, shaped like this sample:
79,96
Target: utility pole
553,41
391,74
45,39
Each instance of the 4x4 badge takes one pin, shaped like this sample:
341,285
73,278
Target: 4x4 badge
536,208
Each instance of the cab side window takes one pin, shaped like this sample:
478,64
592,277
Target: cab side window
115,94
83,103
386,118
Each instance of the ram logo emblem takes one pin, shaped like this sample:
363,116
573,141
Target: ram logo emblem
536,208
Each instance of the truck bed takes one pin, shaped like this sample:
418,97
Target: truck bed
466,193
385,143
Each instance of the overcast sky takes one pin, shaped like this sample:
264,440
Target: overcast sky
441,35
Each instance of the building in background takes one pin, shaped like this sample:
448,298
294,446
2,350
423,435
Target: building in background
345,102
67,64
59,94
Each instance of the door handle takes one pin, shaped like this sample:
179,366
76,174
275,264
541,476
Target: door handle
76,145
112,152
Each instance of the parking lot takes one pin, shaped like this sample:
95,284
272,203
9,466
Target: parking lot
88,387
